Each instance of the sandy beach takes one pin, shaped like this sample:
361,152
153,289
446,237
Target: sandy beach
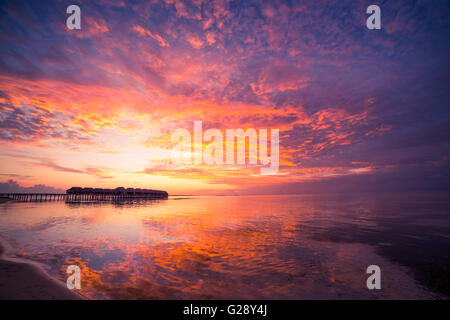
23,280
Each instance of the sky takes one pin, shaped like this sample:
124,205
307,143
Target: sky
357,109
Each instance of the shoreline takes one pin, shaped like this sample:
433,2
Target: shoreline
21,279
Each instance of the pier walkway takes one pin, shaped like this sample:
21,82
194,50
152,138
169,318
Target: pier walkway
27,197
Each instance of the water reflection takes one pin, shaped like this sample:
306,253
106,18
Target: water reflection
255,247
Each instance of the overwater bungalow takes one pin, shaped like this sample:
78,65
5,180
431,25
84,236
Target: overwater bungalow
120,193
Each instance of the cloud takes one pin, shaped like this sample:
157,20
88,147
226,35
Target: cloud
11,186
144,32
396,179
92,27
37,123
101,173
15,175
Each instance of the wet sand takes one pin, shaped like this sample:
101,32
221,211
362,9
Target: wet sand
23,280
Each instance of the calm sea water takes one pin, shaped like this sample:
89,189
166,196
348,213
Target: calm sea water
241,247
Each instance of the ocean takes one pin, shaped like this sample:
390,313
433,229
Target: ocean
241,247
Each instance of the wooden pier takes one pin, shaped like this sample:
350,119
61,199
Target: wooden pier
77,194
28,197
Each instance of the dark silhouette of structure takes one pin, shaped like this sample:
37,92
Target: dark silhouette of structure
76,194
92,194
27,197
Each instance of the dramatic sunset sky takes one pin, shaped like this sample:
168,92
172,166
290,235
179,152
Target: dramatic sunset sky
357,109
